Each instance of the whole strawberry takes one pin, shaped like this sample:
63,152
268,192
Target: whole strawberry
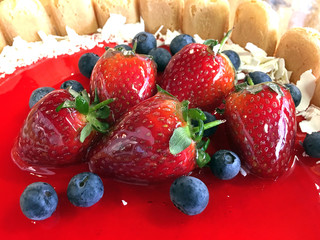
59,129
124,76
153,142
262,125
200,74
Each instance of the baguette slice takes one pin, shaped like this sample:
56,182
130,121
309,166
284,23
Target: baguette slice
233,7
127,8
300,48
3,42
24,18
316,96
208,19
78,15
157,13
256,22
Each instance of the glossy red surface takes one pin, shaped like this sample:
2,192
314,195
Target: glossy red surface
243,208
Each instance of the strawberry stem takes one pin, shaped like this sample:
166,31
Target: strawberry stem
224,40
134,47
249,80
215,46
209,125
101,104
203,158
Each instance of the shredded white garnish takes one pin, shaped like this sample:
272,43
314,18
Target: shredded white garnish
255,59
23,53
307,85
312,122
243,172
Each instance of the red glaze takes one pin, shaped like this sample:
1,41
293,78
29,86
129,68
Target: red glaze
262,126
137,149
51,138
243,208
197,75
127,78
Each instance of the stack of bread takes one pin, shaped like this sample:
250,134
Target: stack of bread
208,19
253,21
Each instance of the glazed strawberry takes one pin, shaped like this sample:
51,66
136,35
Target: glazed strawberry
262,125
125,76
199,74
59,129
153,142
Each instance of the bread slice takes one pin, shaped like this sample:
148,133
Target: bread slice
46,5
233,7
166,13
208,19
316,96
3,42
256,22
313,17
300,48
78,15
127,8
24,18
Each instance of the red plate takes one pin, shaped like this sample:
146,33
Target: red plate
243,208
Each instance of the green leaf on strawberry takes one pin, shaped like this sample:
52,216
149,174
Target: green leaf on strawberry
180,140
85,132
82,105
182,137
196,114
160,89
185,110
98,110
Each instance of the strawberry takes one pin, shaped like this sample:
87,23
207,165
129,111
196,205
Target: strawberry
201,74
124,76
153,142
59,129
262,125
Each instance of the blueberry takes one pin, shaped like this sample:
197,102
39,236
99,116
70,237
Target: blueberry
189,194
258,77
124,46
295,93
311,144
161,56
38,201
86,63
234,58
145,42
210,118
85,189
37,94
76,86
225,164
179,42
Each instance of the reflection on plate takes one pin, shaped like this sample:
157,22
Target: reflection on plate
243,208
